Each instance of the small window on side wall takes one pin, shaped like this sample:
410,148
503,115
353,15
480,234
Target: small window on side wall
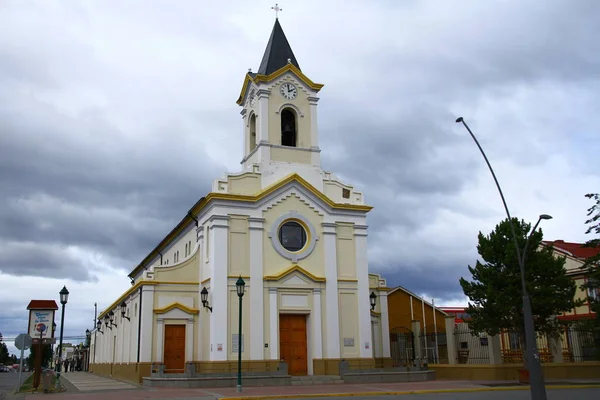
346,193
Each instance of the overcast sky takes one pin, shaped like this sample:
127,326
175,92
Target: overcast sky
115,117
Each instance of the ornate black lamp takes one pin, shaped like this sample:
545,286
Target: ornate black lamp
373,300
98,326
124,310
111,317
204,297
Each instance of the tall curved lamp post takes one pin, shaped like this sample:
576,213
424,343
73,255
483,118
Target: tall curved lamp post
240,286
537,386
64,297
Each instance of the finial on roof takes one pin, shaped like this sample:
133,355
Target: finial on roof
249,69
277,9
289,60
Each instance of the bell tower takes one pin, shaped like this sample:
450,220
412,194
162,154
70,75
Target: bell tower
279,111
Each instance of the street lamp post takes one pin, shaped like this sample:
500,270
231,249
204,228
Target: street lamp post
64,297
536,378
240,285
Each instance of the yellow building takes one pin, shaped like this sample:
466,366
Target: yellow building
294,233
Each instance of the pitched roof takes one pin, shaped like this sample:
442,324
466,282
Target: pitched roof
277,53
42,305
576,250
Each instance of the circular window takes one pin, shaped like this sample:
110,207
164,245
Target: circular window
292,236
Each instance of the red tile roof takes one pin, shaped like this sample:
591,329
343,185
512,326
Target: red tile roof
42,305
574,249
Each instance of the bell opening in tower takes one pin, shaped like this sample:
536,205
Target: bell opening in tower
288,128
252,132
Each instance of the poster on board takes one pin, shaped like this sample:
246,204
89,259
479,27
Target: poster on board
40,323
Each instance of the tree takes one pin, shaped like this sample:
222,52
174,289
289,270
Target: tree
46,355
592,264
4,354
495,294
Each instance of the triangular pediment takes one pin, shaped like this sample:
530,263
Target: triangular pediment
176,306
295,275
258,79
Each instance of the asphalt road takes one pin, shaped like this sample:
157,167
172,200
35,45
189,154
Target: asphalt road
8,381
554,394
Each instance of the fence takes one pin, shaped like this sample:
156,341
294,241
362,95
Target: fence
471,348
402,346
434,346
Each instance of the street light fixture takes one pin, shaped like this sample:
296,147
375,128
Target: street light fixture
204,297
240,286
64,297
98,326
111,317
124,310
537,386
373,300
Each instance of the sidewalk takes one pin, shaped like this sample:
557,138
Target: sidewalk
104,388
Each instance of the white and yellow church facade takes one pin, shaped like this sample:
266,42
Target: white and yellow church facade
293,232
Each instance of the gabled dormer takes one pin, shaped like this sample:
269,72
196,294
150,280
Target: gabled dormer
279,109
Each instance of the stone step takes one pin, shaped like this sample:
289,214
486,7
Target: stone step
316,380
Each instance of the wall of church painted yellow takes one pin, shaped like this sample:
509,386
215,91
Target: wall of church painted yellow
274,263
349,323
346,252
244,184
186,271
239,246
233,323
291,155
303,119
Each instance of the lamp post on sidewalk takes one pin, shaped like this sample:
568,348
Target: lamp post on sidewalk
64,297
240,285
537,386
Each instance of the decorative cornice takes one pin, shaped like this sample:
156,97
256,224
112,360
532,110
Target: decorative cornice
295,268
257,79
177,305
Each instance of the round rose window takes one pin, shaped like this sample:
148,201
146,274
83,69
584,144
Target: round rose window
292,236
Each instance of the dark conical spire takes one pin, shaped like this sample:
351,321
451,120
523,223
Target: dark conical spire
277,53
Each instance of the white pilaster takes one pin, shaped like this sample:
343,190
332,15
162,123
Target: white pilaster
262,126
273,324
331,292
219,242
314,131
256,288
385,324
160,340
201,315
189,340
147,323
317,339
362,272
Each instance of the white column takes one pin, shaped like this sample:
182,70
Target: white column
219,292
256,288
314,131
331,292
160,340
202,314
273,324
189,340
262,126
245,142
147,315
317,325
385,324
362,272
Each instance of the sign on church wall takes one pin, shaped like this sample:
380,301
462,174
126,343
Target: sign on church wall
235,341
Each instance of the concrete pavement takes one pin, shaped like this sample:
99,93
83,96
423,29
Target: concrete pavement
86,382
85,386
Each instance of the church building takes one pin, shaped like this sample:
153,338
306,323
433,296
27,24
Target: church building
296,236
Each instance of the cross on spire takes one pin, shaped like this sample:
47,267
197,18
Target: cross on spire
277,9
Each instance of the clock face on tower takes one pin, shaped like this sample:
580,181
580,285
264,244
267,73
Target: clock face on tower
288,90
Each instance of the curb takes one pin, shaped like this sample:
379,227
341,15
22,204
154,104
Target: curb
397,393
